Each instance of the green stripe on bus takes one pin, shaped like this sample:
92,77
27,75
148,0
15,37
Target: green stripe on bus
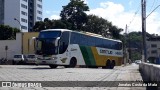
88,55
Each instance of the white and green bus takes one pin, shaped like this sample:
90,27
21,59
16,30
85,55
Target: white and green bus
62,47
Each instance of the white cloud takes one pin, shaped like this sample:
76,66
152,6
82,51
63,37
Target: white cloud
47,12
130,3
55,17
117,15
85,1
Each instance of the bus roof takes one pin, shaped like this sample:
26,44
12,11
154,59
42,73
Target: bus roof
96,35
55,30
82,32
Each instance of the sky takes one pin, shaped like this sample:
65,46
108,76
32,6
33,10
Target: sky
119,12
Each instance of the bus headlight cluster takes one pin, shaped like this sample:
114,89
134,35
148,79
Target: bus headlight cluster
54,58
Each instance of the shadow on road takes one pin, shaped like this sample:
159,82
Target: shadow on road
41,68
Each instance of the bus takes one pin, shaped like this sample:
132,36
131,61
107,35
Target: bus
63,47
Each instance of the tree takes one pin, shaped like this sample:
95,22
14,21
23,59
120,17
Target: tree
40,25
134,43
73,17
7,32
101,26
115,31
134,40
51,24
59,24
74,13
96,25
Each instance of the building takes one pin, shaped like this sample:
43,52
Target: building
19,46
153,49
21,14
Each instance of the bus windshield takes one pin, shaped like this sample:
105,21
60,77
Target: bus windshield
49,34
46,46
45,43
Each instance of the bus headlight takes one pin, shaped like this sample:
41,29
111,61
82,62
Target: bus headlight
54,58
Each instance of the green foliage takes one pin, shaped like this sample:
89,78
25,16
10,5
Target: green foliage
51,24
61,24
74,13
7,32
40,25
115,31
136,55
73,17
134,40
96,25
101,26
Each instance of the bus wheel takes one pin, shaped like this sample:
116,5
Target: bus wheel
67,66
108,64
73,62
53,66
113,63
92,66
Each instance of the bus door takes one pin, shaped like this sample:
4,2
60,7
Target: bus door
63,45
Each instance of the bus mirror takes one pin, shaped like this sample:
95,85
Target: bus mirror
31,40
56,42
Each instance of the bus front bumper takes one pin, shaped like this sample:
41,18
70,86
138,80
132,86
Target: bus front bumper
46,62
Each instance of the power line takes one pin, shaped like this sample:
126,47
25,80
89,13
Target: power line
152,11
152,6
134,15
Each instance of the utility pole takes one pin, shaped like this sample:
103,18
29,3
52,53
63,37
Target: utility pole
125,46
144,49
21,34
129,48
6,48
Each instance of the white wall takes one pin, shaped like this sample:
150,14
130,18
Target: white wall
14,47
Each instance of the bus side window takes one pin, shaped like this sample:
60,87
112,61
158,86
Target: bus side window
64,41
63,46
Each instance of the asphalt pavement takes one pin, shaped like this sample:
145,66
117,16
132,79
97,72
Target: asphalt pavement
35,74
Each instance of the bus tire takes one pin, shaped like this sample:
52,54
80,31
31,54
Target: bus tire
73,62
113,63
108,65
66,66
14,62
53,66
92,66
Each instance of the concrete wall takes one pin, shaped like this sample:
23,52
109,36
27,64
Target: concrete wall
150,72
14,47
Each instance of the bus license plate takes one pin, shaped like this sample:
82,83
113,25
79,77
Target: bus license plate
43,61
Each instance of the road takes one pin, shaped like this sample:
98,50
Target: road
44,73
